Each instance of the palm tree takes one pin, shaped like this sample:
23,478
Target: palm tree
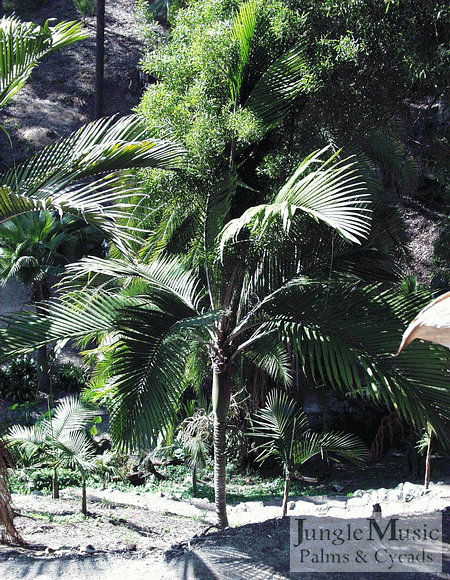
35,247
256,289
59,440
255,304
293,443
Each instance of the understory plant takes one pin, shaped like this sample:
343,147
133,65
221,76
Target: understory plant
58,439
290,440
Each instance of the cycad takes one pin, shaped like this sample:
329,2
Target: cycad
291,441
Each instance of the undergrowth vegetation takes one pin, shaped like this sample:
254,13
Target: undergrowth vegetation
252,486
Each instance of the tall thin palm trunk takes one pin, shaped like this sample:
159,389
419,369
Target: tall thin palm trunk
83,496
428,458
55,484
194,481
40,293
221,403
287,485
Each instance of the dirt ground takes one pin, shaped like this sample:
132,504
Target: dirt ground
59,97
149,535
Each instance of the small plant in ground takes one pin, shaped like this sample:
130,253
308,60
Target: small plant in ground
18,380
108,468
290,440
85,8
71,377
195,435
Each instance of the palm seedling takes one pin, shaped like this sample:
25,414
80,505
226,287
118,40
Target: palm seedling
290,440
195,434
59,439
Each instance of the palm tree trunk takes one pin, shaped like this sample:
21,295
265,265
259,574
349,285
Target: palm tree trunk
221,403
428,460
287,484
83,496
194,481
41,292
55,484
100,57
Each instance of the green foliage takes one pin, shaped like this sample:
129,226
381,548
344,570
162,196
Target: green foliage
58,439
18,380
364,69
71,377
290,440
85,7
26,480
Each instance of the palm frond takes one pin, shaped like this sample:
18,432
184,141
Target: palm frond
162,276
88,316
342,445
244,26
147,382
218,207
75,450
432,323
332,194
22,44
274,95
268,353
72,414
345,335
60,176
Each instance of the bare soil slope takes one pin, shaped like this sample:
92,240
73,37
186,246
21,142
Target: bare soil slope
59,98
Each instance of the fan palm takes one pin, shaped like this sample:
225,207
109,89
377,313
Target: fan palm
293,443
59,441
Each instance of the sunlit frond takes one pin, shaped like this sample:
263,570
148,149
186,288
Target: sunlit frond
333,194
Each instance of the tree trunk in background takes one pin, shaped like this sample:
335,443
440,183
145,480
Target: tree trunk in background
8,531
100,58
83,497
194,481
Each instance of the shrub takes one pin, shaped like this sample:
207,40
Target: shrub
26,480
18,380
70,377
